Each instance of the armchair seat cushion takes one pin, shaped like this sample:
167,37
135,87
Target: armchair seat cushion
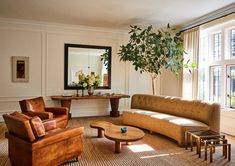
54,131
60,118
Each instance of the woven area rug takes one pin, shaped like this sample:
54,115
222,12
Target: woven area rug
152,150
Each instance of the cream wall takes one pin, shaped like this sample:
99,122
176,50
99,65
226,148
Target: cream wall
43,43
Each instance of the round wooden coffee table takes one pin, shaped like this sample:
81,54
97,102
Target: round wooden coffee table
113,132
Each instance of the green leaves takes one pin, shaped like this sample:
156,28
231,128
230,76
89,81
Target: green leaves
151,51
105,58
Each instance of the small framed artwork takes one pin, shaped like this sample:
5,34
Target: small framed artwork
20,69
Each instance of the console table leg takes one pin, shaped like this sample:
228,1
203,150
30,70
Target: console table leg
114,106
117,147
67,104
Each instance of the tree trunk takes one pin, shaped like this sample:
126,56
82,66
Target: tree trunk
153,85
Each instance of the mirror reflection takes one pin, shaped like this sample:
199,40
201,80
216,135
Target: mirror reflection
89,60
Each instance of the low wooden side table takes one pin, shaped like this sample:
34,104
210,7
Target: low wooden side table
113,132
199,137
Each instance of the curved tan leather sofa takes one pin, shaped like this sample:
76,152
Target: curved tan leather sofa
172,116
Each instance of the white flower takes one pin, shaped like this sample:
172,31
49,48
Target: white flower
86,81
84,85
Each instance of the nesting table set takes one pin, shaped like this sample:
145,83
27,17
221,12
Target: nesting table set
210,139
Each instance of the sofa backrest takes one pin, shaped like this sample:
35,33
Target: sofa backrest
35,105
19,126
208,113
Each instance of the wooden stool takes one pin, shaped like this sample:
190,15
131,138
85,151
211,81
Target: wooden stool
215,141
226,149
199,137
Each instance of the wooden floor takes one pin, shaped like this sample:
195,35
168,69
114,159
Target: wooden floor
152,150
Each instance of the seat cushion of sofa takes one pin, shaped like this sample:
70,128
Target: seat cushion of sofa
139,118
180,121
169,125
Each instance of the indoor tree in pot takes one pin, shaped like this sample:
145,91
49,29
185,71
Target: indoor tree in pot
151,51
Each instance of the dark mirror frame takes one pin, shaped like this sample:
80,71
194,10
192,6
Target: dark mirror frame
66,48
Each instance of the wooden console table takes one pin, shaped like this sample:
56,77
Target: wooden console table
114,101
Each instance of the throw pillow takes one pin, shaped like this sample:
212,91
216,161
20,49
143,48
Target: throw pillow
37,127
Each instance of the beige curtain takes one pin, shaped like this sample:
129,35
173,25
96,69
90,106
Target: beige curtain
190,80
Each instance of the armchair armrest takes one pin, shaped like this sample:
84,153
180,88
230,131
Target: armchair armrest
41,115
58,136
57,110
49,124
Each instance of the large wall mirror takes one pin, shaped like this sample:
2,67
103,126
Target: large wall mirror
87,59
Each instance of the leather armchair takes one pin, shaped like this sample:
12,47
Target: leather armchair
55,147
36,107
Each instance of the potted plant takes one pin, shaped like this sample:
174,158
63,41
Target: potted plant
151,51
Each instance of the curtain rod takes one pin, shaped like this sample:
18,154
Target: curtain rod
206,22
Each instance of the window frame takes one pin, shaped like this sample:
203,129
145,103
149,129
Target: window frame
226,60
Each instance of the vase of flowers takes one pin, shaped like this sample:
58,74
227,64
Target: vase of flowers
89,82
90,90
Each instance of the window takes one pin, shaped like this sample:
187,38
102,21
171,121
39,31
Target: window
216,83
217,46
202,83
233,43
231,86
216,73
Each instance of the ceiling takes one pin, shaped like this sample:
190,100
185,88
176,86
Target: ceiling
118,14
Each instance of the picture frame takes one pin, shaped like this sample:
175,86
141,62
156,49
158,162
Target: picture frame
20,69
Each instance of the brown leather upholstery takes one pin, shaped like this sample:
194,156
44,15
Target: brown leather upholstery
56,147
36,107
20,127
37,127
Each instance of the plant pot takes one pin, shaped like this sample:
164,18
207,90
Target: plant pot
90,90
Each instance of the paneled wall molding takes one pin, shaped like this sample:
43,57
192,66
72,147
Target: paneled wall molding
222,12
8,97
44,64
44,43
57,26
93,34
97,35
17,98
